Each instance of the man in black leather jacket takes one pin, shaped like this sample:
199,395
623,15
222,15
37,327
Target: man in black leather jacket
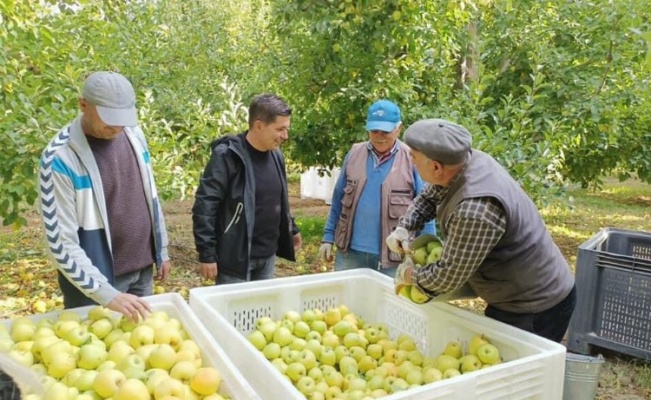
241,216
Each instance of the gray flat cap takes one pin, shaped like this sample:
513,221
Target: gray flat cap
439,140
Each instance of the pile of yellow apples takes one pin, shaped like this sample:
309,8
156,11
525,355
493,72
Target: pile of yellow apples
337,355
106,356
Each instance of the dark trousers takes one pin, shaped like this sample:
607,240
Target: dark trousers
550,324
259,269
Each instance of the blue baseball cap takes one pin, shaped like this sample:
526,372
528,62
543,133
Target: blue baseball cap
383,115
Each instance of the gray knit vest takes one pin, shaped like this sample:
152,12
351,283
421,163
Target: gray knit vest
525,272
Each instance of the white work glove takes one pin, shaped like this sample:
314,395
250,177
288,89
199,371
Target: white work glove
400,280
326,251
398,240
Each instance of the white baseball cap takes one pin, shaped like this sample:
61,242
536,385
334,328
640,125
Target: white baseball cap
113,96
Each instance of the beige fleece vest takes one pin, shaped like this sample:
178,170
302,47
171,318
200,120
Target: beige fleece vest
397,194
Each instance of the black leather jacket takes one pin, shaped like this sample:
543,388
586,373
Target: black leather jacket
223,213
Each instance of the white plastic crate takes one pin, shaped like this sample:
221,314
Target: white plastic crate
533,368
233,383
314,186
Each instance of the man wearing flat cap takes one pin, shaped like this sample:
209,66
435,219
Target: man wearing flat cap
377,183
495,239
102,219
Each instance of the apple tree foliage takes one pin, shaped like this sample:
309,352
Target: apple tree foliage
558,91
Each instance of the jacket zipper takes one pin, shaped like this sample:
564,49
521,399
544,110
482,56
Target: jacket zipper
236,217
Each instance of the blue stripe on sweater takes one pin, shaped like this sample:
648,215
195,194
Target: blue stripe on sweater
79,181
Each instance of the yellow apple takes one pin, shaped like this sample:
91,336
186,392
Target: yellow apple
169,387
189,355
108,364
445,362
69,315
132,366
162,356
85,381
101,327
155,322
256,338
62,326
191,345
56,391
132,389
112,337
159,314
125,324
153,377
77,336
119,350
107,382
418,296
488,354
60,364
23,357
206,381
453,349
469,363
292,315
145,352
215,396
71,377
432,374
43,331
168,333
22,329
475,342
420,256
332,316
141,335
183,371
98,312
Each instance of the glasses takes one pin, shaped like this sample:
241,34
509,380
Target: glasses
382,132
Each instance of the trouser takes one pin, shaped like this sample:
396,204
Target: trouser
353,259
139,283
259,269
551,324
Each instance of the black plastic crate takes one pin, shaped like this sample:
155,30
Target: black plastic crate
8,388
613,279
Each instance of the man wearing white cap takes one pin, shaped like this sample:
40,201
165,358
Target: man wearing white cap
495,238
102,219
377,183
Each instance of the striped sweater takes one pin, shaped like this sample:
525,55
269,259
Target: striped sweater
74,215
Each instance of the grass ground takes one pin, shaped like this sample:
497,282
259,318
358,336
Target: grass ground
28,282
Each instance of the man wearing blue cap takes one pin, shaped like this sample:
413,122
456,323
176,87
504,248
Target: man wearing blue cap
102,220
377,183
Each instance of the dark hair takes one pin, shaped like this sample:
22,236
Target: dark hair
266,107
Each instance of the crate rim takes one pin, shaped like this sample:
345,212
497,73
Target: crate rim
603,234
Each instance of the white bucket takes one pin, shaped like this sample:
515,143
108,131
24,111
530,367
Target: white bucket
581,376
